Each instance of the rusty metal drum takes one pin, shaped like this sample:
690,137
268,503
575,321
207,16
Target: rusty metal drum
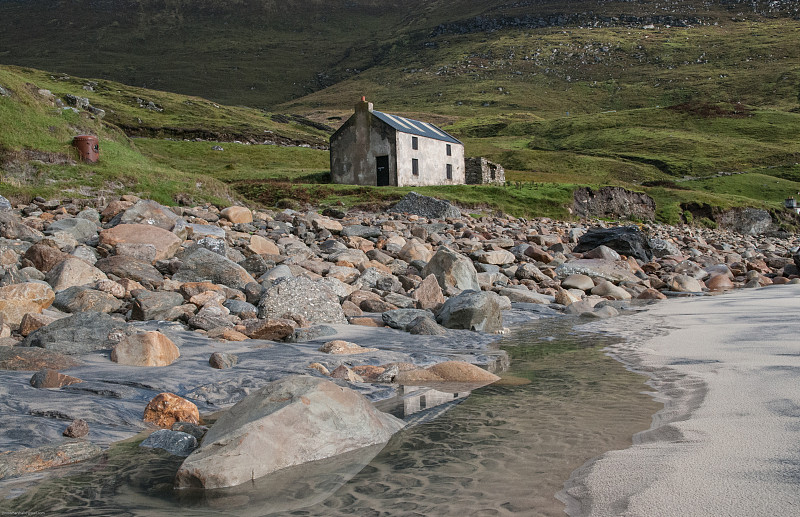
88,147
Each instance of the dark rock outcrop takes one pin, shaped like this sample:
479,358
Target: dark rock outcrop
625,240
613,202
747,221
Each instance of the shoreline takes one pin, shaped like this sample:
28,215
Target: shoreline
699,431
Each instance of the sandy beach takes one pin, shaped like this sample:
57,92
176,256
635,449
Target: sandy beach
726,368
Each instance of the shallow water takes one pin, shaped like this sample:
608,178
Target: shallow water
507,449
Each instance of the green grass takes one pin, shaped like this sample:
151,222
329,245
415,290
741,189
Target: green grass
239,162
34,130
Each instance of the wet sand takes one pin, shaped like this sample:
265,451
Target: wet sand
726,442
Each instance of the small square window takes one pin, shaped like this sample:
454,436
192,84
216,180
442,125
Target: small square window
449,150
415,167
414,143
449,171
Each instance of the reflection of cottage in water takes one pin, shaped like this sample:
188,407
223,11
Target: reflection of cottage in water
422,398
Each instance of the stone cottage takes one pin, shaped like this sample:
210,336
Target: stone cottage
375,148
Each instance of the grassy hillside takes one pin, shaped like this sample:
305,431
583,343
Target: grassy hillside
687,101
679,154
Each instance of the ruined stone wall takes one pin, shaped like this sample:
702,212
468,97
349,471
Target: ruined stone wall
480,171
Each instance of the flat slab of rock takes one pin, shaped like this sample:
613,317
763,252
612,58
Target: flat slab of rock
525,296
132,268
78,334
613,271
448,371
289,422
72,272
82,299
33,460
33,359
165,242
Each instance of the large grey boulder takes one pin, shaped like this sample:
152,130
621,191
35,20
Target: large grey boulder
154,305
403,319
662,248
79,334
452,270
71,272
82,229
83,299
5,205
289,422
425,206
204,265
472,310
302,297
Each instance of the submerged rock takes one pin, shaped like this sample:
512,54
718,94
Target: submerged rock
288,422
33,460
176,443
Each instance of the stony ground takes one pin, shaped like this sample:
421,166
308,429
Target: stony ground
125,289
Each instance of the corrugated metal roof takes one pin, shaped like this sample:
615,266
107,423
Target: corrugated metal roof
415,127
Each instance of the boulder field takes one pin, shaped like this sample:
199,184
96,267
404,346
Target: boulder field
205,308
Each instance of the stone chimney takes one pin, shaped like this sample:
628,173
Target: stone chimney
363,105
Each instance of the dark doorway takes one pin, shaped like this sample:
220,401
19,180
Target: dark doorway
383,170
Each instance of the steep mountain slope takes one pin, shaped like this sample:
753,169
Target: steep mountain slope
261,52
